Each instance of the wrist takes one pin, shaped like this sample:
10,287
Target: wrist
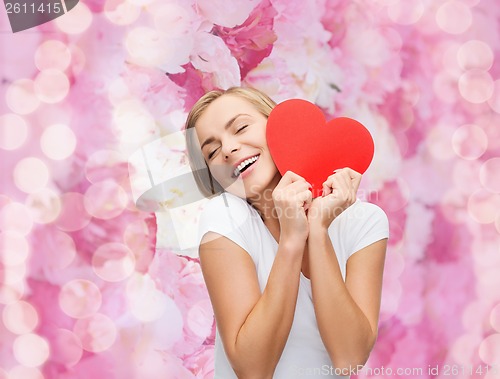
293,242
318,228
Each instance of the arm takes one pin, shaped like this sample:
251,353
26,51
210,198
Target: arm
254,327
347,313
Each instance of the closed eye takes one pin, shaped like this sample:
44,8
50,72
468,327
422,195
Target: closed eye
240,129
211,154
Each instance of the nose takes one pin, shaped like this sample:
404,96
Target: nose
229,148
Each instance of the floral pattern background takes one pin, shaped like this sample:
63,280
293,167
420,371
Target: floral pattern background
87,287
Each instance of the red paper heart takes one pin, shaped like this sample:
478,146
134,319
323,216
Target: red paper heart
300,140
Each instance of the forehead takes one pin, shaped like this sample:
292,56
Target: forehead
222,109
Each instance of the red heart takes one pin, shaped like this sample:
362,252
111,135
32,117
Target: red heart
300,140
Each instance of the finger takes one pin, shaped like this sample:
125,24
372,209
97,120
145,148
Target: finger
288,178
306,199
343,188
354,176
297,187
328,185
344,178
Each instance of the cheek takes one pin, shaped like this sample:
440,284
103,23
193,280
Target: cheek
222,174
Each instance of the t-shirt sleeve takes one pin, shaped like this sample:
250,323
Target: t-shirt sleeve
227,216
369,224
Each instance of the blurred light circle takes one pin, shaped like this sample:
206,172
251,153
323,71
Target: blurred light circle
148,47
15,248
80,298
14,275
97,333
76,21
172,19
21,98
102,163
145,301
66,347
105,200
454,17
489,174
475,54
23,372
31,350
464,348
494,100
13,130
52,54
16,217
469,142
127,117
473,315
20,317
406,12
73,215
113,262
51,86
31,174
121,12
58,142
489,350
11,293
44,205
483,206
118,91
136,237
438,142
65,247
476,86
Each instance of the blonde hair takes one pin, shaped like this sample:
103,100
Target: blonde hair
204,180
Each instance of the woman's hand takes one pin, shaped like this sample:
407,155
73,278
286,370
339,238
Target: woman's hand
292,197
339,193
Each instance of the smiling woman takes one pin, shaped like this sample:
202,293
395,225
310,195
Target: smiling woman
259,106
289,295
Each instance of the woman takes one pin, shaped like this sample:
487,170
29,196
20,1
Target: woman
290,297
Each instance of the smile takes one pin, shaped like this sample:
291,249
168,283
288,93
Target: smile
244,165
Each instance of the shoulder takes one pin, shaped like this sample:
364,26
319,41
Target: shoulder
227,215
226,204
361,224
362,212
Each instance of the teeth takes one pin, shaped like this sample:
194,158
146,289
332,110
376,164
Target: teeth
243,164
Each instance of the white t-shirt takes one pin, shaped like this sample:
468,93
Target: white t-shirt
304,355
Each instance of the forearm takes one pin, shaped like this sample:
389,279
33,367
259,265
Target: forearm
345,330
262,338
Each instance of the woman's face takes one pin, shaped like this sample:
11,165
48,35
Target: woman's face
232,135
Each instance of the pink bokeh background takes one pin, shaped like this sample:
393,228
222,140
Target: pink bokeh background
87,289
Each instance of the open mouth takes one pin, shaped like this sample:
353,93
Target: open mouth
244,165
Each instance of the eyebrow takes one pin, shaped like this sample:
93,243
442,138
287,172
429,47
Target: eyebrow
228,124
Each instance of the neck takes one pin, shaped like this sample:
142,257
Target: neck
264,204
